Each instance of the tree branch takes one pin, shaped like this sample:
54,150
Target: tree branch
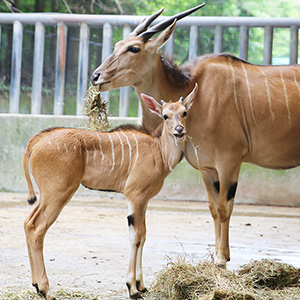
67,6
11,7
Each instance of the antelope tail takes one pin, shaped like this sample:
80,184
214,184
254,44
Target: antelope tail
31,194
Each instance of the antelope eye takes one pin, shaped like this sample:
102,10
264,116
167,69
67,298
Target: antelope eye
133,49
184,114
165,117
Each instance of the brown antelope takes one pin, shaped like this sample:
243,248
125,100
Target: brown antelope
125,160
242,112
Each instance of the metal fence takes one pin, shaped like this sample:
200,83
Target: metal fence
201,34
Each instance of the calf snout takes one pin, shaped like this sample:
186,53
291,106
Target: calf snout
179,128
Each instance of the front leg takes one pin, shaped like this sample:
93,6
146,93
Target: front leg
137,237
228,173
212,184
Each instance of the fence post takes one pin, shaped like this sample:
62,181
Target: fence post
244,42
294,45
38,63
124,91
83,66
268,45
218,42
194,41
106,51
61,46
16,64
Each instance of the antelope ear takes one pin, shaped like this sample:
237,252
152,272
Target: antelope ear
154,106
158,41
189,100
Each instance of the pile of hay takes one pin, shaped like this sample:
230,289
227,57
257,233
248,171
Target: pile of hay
259,280
96,110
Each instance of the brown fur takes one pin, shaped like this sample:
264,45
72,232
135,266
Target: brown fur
242,113
126,159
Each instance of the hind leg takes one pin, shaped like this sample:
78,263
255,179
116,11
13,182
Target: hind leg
36,226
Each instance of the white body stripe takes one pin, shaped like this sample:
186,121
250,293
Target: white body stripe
87,151
66,147
129,147
137,148
100,146
286,96
95,154
297,84
268,95
234,84
122,148
112,152
249,95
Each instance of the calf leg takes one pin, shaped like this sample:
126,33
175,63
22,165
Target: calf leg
36,226
139,270
137,237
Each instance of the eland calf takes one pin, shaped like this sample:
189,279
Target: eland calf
125,159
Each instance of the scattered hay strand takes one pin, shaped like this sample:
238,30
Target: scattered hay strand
258,280
15,294
96,110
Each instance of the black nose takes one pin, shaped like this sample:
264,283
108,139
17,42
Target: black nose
95,77
179,128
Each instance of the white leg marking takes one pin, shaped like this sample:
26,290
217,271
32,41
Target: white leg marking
268,95
87,151
249,95
137,147
122,148
286,98
129,147
112,152
100,146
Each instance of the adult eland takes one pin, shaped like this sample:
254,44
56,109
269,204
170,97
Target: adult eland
242,112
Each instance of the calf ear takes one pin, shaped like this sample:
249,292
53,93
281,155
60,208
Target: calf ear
189,100
154,106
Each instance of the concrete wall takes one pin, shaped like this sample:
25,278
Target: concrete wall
256,185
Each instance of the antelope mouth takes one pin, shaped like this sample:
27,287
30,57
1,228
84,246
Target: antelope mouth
102,85
179,136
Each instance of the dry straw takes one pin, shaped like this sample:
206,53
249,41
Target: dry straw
16,294
96,110
259,280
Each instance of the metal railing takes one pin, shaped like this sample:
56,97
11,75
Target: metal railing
108,22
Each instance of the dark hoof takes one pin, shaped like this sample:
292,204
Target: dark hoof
41,293
36,287
138,283
31,201
136,296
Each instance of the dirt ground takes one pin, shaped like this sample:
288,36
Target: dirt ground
87,247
